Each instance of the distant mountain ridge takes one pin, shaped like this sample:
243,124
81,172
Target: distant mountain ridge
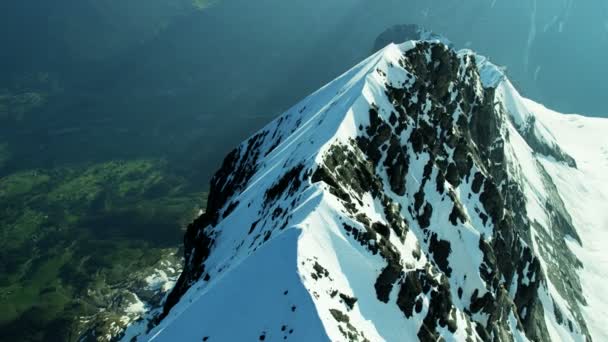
417,196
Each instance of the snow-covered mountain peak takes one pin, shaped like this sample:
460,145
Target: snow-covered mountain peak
414,197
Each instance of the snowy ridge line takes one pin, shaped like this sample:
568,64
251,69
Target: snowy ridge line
417,196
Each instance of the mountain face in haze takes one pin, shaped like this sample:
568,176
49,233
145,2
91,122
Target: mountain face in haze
417,196
162,76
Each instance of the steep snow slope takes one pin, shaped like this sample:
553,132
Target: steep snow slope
416,196
585,194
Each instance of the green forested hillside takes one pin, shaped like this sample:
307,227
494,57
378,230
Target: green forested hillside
85,207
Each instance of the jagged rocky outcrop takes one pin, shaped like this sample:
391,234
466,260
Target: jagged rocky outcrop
404,32
132,303
410,199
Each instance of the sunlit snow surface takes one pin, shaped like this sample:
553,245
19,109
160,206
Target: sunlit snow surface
266,291
585,193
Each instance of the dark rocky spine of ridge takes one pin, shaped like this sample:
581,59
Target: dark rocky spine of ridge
502,257
227,181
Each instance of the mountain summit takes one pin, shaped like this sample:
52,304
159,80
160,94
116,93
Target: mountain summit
417,196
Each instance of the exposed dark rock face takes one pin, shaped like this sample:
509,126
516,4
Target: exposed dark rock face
477,143
236,171
542,147
197,246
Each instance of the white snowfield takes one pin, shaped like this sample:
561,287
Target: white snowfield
296,284
585,194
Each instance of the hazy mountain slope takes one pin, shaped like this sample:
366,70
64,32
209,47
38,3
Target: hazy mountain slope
412,197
